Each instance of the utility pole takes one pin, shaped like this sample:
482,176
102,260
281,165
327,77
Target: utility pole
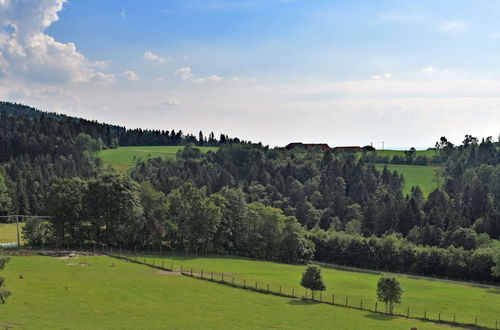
383,142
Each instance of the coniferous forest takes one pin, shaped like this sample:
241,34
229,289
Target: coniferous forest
248,198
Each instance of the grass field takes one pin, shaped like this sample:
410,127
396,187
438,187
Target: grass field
123,158
424,176
8,233
392,153
104,293
421,295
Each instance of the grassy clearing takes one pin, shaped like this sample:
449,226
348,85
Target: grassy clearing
8,233
421,295
427,177
104,293
401,153
124,157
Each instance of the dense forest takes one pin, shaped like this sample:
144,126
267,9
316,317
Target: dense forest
250,199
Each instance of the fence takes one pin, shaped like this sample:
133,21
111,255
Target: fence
354,302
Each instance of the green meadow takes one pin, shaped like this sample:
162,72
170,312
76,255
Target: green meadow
8,232
401,153
434,298
105,293
427,177
123,158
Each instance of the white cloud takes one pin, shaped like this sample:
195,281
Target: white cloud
381,77
30,54
452,27
187,74
131,75
123,14
154,58
164,103
429,69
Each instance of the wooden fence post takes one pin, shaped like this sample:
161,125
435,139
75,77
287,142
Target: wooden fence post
293,292
346,301
222,277
408,312
361,303
333,299
376,306
245,284
202,273
162,264
191,271
425,315
212,276
439,317
267,287
255,285
280,289
321,296
181,269
233,279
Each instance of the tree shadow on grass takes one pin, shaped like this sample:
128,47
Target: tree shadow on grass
301,302
379,317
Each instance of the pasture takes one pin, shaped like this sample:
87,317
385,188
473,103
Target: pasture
105,293
401,153
123,158
433,298
8,233
427,177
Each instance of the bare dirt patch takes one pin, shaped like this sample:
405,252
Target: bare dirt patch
167,273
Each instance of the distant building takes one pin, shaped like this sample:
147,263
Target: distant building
293,145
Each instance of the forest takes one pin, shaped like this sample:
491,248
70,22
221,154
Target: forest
250,199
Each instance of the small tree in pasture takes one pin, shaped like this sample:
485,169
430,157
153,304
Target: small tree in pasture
312,280
389,291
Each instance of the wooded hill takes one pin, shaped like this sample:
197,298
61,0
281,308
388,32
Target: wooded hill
262,202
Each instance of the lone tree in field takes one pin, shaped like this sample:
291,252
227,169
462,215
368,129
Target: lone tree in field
389,291
312,280
4,294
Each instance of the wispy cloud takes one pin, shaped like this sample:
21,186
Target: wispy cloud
131,75
123,14
150,56
452,27
186,74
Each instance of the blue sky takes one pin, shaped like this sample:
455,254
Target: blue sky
341,72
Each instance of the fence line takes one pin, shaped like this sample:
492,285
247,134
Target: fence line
243,283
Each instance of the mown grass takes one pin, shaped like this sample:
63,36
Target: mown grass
433,297
123,158
8,232
105,293
426,177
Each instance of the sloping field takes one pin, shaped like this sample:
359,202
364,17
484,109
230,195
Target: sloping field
427,177
8,233
432,297
104,293
124,157
401,153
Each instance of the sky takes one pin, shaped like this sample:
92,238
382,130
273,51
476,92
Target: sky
271,71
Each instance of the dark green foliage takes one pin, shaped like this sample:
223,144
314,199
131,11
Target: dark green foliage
4,294
5,201
312,280
389,291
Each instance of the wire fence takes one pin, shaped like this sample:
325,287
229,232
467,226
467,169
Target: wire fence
242,281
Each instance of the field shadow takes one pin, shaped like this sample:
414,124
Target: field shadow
301,303
379,317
